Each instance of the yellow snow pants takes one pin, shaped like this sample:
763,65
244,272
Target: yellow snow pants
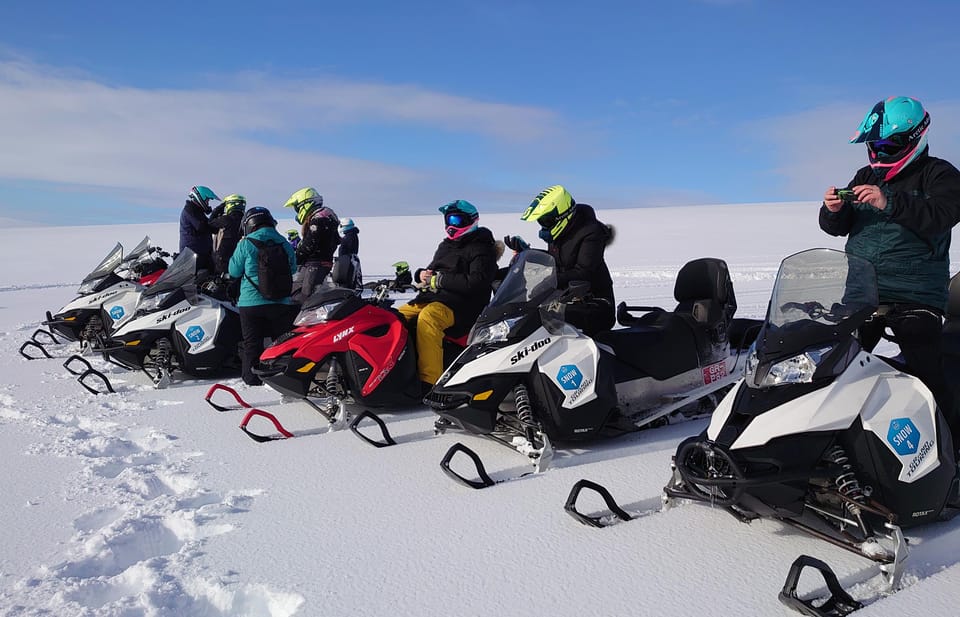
431,319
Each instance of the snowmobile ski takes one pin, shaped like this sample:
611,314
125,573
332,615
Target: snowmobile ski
839,604
86,373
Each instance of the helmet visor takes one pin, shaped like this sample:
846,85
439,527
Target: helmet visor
888,147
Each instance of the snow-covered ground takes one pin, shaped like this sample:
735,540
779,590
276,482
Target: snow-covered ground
148,502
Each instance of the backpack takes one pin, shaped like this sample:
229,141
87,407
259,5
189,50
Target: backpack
273,270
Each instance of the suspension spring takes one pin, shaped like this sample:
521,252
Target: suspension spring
525,412
332,382
846,481
91,331
162,353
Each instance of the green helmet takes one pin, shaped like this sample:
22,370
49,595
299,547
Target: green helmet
304,202
234,203
552,208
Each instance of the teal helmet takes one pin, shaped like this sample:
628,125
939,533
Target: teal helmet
895,132
202,196
460,217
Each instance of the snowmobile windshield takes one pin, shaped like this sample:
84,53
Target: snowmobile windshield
182,271
530,279
139,250
110,263
819,296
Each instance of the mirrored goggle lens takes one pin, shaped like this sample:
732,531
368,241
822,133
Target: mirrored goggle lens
887,146
456,219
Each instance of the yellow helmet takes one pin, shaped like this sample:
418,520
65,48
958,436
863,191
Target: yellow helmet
552,208
234,202
304,201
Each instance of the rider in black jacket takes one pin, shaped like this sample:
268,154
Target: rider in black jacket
577,240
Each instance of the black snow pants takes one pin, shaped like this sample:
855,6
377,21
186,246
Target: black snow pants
256,324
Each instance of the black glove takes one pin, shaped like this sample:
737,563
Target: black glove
515,243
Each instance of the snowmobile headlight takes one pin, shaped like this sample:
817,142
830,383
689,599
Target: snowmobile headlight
798,369
493,333
152,303
88,287
316,314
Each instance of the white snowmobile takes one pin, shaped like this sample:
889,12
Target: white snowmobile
116,281
527,378
176,326
822,435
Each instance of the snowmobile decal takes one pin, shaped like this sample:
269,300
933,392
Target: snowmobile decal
523,353
714,372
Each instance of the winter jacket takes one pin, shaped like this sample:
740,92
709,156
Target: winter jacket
350,242
226,228
243,266
465,269
319,238
908,242
196,234
579,253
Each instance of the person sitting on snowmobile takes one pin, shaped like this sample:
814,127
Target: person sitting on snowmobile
454,287
260,317
319,238
226,222
899,217
349,252
577,241
195,230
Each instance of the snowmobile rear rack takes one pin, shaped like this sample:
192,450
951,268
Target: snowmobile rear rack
839,604
387,439
87,372
593,521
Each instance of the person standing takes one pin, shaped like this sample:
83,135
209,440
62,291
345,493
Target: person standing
454,287
348,258
260,317
195,230
319,238
899,216
226,221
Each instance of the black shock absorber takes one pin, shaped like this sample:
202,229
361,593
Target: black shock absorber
91,331
332,383
525,412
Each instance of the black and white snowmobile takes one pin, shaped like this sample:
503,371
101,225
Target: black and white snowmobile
116,281
528,379
176,326
822,435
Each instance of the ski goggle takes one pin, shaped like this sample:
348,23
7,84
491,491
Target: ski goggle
548,220
888,147
457,219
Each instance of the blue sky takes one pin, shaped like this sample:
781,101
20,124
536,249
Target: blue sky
112,114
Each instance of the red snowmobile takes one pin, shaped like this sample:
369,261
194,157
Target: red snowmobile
346,348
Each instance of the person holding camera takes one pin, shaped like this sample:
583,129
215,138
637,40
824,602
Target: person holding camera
898,213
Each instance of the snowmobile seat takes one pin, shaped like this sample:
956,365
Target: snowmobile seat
660,344
704,293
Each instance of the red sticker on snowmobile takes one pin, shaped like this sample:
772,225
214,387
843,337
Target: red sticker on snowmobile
714,372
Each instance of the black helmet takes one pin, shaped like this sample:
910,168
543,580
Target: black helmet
255,218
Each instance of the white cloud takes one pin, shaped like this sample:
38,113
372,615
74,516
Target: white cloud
151,145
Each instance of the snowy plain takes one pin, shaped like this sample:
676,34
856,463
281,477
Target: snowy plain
150,503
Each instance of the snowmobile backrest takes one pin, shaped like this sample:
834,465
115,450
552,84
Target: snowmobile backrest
705,291
951,326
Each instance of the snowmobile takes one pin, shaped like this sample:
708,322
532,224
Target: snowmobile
347,348
822,435
176,326
527,378
115,281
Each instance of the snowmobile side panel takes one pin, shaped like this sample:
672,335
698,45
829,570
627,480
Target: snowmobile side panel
572,365
516,358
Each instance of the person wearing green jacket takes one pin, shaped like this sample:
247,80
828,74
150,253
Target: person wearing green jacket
898,212
260,317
